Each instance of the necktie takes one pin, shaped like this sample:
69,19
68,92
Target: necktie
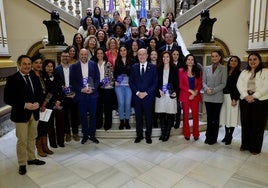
28,82
142,69
168,48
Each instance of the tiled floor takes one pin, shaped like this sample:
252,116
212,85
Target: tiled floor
121,163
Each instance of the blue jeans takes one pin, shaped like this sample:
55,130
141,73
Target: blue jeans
88,104
124,95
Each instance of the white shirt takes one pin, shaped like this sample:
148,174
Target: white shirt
66,73
84,68
144,65
170,47
101,69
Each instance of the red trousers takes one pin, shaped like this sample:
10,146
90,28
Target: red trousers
194,106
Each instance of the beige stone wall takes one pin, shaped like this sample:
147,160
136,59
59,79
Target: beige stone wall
231,26
25,26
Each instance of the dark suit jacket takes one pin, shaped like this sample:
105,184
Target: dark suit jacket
143,83
59,71
17,93
175,46
172,79
76,78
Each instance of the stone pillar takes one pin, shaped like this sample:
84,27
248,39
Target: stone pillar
52,52
258,31
7,67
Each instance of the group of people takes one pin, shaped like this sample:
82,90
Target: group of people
145,69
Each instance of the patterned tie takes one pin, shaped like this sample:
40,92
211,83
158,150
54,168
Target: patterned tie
28,82
142,69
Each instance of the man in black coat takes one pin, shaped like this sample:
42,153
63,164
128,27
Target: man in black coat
23,93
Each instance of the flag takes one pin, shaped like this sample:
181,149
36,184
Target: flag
133,13
143,12
111,7
122,9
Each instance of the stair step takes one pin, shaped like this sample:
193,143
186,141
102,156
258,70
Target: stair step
114,132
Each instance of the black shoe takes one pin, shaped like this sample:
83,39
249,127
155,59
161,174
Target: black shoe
224,139
228,141
138,139
177,125
62,145
22,170
148,140
122,124
94,139
36,162
161,137
186,138
196,138
84,139
127,124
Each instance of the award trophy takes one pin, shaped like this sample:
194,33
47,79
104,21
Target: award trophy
106,83
123,80
90,83
68,91
165,89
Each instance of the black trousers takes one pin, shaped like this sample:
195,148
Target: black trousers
213,121
253,121
106,103
71,116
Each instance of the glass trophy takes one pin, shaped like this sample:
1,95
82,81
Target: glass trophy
106,83
68,91
88,82
123,80
165,89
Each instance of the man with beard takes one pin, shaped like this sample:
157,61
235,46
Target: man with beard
135,37
89,13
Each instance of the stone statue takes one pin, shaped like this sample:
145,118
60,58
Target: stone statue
55,35
204,33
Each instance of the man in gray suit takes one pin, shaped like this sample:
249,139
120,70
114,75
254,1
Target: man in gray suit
214,80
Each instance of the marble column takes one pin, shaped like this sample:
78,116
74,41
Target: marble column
7,67
258,29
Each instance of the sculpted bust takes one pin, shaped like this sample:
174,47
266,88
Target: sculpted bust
55,35
204,32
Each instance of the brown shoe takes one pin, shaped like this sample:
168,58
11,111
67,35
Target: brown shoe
45,146
68,138
76,137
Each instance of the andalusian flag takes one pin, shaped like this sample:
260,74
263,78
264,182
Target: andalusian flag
133,14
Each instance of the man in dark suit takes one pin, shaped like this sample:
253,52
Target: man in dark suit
171,46
143,82
85,78
69,106
23,93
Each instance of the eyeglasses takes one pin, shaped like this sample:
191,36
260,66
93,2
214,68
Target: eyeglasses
65,56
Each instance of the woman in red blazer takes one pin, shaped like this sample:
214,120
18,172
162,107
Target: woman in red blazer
190,84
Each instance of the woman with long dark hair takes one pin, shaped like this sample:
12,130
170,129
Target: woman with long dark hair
123,92
106,90
253,88
190,84
166,94
230,112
